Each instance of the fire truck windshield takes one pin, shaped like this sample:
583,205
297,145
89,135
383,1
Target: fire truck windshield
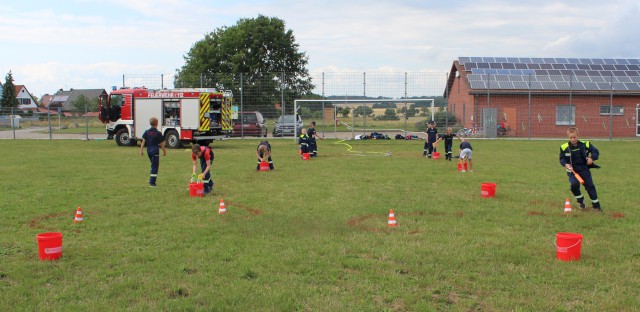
116,100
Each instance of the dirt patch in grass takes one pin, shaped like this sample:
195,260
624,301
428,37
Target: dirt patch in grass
35,222
617,215
251,210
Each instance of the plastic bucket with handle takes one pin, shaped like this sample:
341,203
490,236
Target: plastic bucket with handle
50,245
488,190
264,166
568,246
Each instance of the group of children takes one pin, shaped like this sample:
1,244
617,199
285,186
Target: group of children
307,140
576,156
432,140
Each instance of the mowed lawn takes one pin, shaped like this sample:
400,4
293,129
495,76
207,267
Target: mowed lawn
313,235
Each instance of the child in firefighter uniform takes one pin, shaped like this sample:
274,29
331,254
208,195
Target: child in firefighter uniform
448,143
578,156
432,134
303,140
313,134
154,140
205,154
264,154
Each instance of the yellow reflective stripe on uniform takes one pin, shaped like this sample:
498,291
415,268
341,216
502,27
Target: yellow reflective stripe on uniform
205,181
564,146
154,175
586,143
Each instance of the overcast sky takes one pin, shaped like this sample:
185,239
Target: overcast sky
50,45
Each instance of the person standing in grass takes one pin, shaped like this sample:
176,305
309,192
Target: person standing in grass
205,154
465,156
264,154
448,143
303,140
154,140
313,146
432,134
578,156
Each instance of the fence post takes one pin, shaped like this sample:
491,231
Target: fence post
86,119
529,101
611,109
49,119
241,108
13,123
405,104
364,95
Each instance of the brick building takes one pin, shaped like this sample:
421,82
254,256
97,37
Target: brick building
542,97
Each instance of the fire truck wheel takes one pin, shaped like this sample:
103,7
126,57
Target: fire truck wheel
123,138
173,139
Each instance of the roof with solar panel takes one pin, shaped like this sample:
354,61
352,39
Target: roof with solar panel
552,74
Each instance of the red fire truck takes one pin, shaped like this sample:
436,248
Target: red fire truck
184,115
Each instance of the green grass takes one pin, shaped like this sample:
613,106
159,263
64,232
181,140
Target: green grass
312,235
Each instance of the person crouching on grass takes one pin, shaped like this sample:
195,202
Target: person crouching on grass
154,140
465,155
264,154
205,154
578,156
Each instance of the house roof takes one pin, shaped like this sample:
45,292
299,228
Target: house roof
550,74
64,99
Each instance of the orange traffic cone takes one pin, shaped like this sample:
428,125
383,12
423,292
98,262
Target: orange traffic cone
392,219
78,217
223,208
567,206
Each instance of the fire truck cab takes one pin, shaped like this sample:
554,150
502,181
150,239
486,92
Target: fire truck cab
198,115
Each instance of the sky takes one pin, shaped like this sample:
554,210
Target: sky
91,44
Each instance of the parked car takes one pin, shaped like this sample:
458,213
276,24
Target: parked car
249,124
288,125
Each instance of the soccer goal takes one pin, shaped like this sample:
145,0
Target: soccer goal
364,116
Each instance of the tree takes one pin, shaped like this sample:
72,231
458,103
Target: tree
389,114
345,111
260,51
9,93
411,112
82,101
362,110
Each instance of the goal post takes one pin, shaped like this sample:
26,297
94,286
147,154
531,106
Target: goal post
301,105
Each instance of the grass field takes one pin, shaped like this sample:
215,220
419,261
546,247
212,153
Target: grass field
312,235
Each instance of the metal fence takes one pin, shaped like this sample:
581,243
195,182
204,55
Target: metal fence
273,95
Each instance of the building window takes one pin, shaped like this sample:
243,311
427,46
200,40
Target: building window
565,115
25,101
606,109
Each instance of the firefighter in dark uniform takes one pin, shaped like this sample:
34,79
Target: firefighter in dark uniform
448,142
205,154
578,156
154,140
313,146
303,140
432,134
264,151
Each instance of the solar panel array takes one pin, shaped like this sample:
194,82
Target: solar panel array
583,74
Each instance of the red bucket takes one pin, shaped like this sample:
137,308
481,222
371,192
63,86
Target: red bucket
264,166
306,156
196,189
488,190
568,246
436,155
50,245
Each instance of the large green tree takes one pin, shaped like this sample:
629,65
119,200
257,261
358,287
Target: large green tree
258,55
9,92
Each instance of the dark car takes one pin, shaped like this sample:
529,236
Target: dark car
288,125
249,124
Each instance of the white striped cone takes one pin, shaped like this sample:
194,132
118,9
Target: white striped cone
567,206
392,219
78,217
223,208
